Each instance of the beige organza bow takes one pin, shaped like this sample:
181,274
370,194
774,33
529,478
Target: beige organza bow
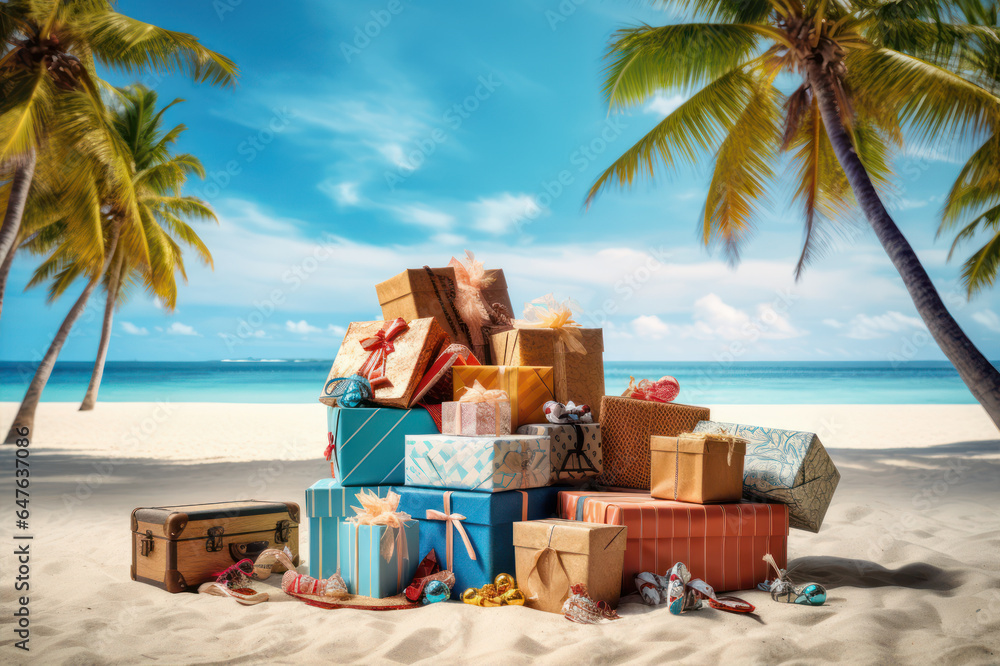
546,312
471,279
375,510
479,393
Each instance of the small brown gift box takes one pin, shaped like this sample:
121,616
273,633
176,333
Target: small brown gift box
626,427
550,555
475,418
578,377
413,350
697,467
430,292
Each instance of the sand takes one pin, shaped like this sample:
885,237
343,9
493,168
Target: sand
910,551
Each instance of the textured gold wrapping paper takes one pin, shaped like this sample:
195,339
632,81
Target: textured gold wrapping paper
574,552
413,294
578,377
698,468
415,349
529,388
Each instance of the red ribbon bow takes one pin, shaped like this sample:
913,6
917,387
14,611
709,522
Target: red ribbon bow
379,347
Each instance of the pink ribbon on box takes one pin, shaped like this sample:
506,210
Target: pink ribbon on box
546,312
453,521
375,510
478,393
380,346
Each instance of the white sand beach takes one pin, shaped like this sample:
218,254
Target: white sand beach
910,551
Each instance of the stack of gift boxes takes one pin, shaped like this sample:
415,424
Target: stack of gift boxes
508,458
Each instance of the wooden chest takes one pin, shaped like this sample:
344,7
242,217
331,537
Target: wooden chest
178,548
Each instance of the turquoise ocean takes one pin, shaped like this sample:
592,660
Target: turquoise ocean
300,381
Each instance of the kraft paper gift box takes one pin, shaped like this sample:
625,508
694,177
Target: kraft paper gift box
394,355
697,467
472,533
553,554
366,446
328,503
574,450
577,377
723,544
626,426
785,466
482,419
365,568
437,292
528,388
483,464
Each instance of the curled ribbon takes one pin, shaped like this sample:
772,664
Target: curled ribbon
352,391
479,393
379,347
546,312
375,510
453,522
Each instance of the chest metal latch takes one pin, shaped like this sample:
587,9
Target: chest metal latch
214,542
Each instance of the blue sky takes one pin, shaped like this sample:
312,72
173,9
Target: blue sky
368,137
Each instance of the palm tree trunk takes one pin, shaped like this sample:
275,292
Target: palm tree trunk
975,370
19,186
114,285
26,413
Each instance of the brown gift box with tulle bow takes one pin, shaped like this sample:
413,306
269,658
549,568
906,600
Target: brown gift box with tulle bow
550,555
413,351
578,377
697,467
430,292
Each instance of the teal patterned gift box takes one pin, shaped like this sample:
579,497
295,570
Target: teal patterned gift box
484,464
369,569
785,466
328,504
366,444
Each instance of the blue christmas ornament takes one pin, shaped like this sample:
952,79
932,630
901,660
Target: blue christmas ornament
435,591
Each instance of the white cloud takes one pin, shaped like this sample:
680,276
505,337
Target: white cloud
833,323
651,327
345,194
989,319
302,327
423,216
132,329
448,240
339,331
663,105
865,327
499,214
178,328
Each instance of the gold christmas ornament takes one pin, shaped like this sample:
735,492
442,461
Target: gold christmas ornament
503,591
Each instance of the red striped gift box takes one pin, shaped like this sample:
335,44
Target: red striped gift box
723,544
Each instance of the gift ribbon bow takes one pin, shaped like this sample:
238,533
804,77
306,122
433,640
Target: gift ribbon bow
546,312
554,584
352,391
453,521
375,510
379,347
470,280
479,393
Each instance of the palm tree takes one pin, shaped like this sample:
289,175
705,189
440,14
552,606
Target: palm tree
158,180
47,50
52,100
865,82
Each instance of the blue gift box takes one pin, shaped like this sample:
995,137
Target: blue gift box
489,520
365,570
328,503
369,442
